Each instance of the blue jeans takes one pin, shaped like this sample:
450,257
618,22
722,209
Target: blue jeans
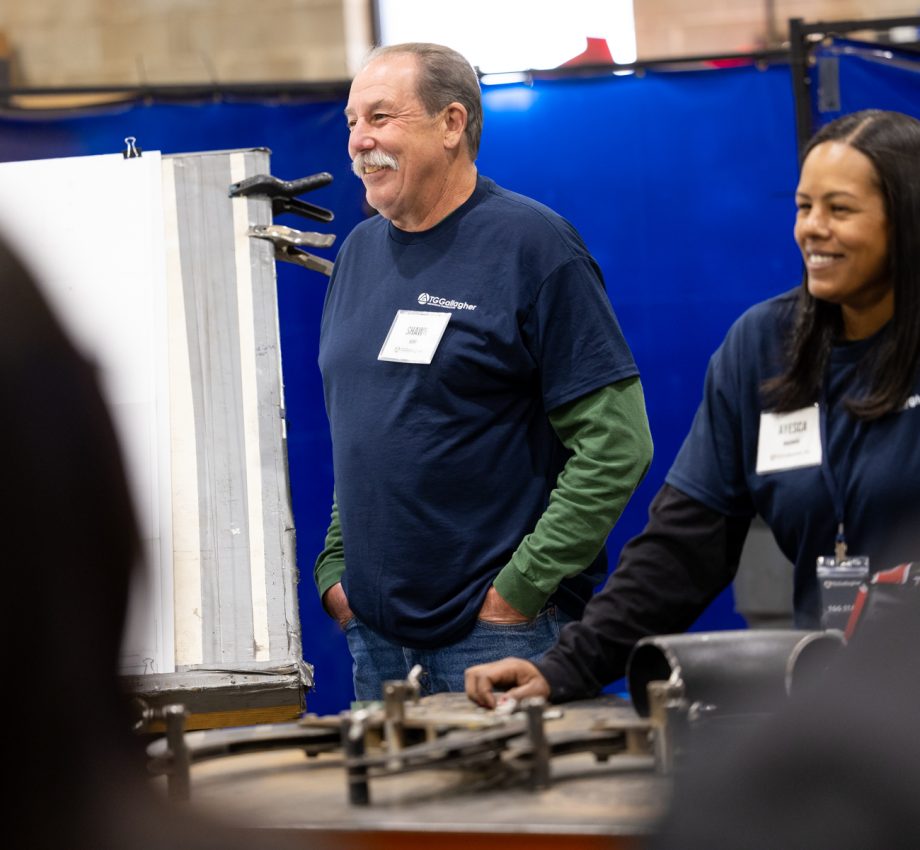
377,660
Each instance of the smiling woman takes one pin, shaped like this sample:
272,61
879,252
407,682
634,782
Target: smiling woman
842,230
807,420
859,210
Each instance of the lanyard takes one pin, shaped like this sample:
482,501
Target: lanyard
836,488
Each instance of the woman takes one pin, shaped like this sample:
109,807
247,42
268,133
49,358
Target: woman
810,417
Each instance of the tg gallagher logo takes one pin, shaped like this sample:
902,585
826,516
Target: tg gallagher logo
435,301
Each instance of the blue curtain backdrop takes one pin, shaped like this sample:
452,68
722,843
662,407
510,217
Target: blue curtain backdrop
681,183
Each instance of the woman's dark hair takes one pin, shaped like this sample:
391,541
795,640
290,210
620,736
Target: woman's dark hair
891,141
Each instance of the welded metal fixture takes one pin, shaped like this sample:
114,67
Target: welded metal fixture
404,734
677,682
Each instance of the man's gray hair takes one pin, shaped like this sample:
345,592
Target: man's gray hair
444,76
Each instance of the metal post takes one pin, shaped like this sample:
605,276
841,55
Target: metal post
801,83
178,777
353,746
663,700
539,776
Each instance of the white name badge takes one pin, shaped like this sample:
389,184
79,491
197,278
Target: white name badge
414,336
789,440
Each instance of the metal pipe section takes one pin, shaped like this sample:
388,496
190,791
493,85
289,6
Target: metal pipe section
733,671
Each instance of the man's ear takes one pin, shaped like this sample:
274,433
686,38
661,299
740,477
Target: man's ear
455,118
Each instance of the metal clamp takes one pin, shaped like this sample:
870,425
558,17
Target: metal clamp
266,184
282,193
289,254
281,235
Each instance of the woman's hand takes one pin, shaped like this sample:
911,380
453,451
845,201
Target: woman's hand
522,677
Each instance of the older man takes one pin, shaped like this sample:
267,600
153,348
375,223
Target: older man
488,424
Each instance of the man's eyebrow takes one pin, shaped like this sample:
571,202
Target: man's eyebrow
371,107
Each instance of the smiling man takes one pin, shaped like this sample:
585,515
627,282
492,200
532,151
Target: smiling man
488,423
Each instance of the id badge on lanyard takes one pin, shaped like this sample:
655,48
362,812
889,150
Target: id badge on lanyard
840,575
799,439
839,581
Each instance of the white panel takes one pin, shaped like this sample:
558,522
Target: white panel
91,230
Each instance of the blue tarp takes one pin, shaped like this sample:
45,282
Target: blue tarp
868,76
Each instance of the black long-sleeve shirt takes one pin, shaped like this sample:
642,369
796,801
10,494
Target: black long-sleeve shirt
666,576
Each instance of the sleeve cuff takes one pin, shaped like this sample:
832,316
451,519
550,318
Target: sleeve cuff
328,574
518,592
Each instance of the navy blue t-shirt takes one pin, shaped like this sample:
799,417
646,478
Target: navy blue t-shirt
442,469
875,464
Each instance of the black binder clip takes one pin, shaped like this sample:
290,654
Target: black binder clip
131,150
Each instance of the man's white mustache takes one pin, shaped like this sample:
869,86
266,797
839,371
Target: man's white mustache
372,159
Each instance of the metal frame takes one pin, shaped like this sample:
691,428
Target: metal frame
801,37
334,89
237,656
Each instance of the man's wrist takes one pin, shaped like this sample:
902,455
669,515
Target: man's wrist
518,592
